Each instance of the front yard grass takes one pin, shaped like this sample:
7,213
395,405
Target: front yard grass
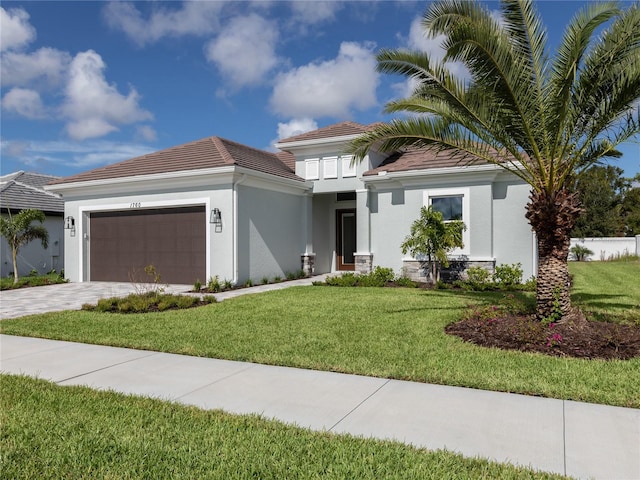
392,333
74,432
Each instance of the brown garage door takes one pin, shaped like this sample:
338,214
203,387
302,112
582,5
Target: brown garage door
173,240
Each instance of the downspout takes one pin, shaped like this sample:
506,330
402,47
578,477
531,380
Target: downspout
235,228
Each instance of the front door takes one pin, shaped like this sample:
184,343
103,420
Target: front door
346,239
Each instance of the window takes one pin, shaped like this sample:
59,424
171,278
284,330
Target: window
453,203
347,169
312,170
345,196
330,167
449,207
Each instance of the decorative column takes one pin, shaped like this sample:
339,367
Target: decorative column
308,258
363,255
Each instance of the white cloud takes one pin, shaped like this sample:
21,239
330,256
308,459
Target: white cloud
93,107
24,102
314,12
244,52
296,126
78,155
331,88
193,18
15,29
44,65
145,132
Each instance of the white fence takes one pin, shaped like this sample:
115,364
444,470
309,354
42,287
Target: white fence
608,247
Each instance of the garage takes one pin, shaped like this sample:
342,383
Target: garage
173,240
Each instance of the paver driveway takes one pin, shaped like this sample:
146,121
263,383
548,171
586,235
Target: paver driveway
65,296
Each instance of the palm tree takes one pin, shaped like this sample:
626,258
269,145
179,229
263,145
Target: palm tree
432,238
18,231
542,119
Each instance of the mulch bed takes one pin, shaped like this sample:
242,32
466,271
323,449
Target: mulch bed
576,337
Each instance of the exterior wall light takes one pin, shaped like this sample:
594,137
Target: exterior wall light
70,224
216,219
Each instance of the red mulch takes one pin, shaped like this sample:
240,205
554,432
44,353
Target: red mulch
575,337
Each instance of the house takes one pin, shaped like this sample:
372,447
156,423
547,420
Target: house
21,190
216,207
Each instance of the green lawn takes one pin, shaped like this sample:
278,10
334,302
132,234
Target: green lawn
51,432
609,289
393,333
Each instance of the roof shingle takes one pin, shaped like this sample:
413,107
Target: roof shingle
210,152
421,159
22,190
336,130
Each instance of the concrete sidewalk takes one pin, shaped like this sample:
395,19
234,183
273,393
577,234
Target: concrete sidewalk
576,439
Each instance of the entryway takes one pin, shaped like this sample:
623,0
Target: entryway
346,239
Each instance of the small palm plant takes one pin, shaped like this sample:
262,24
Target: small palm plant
433,238
18,231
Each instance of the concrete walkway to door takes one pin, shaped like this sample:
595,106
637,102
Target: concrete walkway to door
71,296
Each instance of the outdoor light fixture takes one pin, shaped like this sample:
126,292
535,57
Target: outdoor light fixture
70,224
216,219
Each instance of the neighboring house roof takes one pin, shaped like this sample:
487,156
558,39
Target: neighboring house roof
20,190
210,152
336,130
421,159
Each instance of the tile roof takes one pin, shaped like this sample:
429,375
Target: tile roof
210,152
421,159
20,190
336,130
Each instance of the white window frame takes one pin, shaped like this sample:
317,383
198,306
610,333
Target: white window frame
312,169
464,192
347,169
330,167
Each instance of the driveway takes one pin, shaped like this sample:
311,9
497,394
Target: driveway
71,296
66,296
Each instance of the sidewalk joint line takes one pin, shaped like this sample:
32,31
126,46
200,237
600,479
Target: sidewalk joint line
249,367
107,367
358,405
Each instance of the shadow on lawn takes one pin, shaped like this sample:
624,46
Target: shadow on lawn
598,300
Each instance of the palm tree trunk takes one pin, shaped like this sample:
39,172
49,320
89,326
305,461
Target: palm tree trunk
552,217
14,256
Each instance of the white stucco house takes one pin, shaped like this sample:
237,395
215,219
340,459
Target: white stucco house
216,207
20,190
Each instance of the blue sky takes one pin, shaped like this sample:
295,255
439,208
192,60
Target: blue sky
85,84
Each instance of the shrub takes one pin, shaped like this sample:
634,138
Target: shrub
508,275
248,283
347,279
227,285
197,285
147,302
290,276
265,280
405,282
277,279
301,274
213,285
478,279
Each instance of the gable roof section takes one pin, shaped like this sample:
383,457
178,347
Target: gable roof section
342,129
20,190
210,152
422,159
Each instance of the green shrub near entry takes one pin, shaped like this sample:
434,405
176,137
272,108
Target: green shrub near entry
508,275
378,277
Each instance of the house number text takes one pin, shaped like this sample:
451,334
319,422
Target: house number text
134,205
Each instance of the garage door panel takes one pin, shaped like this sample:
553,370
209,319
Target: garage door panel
172,240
